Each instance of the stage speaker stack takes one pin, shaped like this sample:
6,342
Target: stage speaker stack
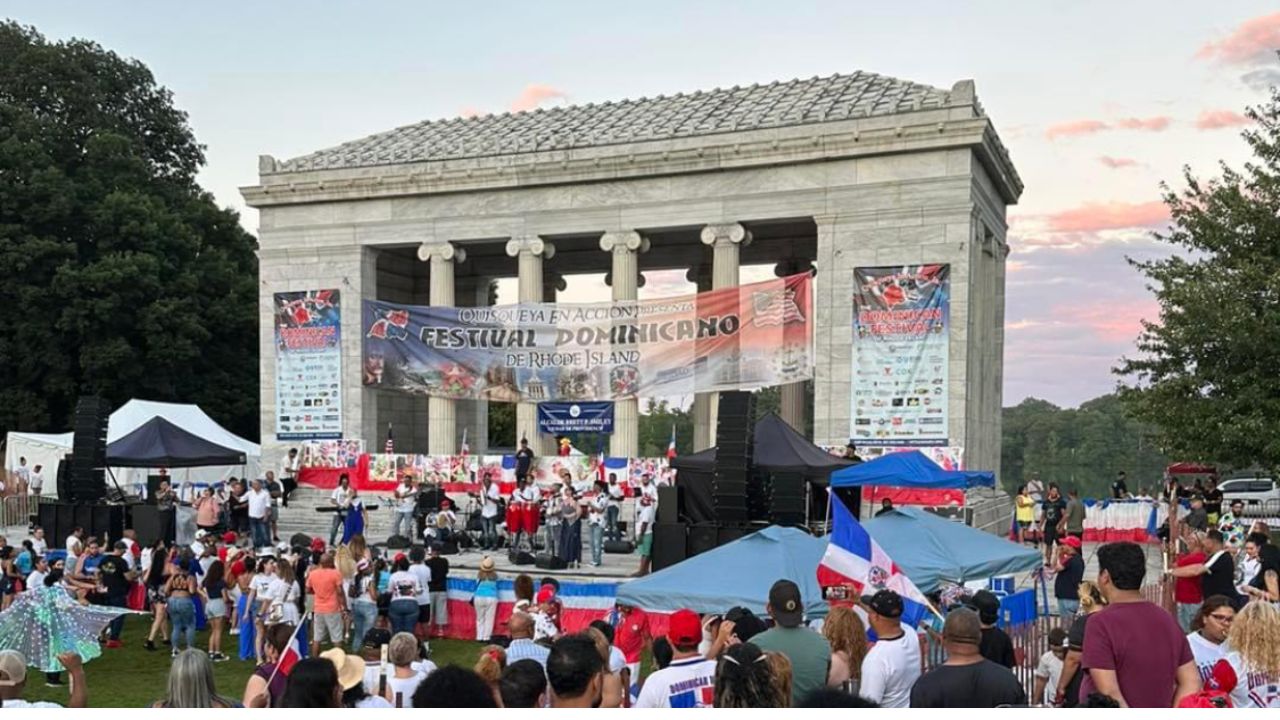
670,503
786,499
669,544
758,494
702,537
86,479
734,449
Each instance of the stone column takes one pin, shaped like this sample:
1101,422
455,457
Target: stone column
529,252
791,398
625,248
473,415
442,413
726,243
701,278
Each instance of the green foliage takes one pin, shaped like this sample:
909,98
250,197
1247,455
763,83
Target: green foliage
1207,375
655,429
122,277
1083,448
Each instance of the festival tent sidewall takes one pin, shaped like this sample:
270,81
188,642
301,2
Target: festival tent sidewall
126,419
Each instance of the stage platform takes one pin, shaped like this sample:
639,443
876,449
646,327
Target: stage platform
616,568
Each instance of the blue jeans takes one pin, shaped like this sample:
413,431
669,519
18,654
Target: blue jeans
403,517
120,601
611,522
1187,613
363,616
339,518
403,614
597,543
182,613
1067,608
261,531
489,532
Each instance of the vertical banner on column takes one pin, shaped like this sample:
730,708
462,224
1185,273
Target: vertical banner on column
308,365
901,330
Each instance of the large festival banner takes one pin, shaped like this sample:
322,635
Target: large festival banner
740,338
901,322
308,365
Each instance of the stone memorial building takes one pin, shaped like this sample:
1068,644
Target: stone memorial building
829,173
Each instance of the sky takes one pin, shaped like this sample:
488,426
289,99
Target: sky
1098,103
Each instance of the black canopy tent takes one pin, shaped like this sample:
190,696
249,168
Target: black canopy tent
778,449
160,443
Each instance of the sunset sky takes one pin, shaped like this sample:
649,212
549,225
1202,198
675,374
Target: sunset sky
1098,103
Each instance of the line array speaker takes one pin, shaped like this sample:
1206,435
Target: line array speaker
787,499
670,503
669,541
85,479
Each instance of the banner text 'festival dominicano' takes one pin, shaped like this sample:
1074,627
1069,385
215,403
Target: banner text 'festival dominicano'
745,337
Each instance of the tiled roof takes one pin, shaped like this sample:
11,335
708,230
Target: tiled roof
777,104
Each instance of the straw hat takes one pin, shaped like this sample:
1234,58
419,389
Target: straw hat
487,564
350,667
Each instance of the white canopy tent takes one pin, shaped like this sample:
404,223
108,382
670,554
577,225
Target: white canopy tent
48,450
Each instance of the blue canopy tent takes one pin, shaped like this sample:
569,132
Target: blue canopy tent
930,549
909,470
737,574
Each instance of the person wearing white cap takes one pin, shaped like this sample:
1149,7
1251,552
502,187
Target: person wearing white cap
13,681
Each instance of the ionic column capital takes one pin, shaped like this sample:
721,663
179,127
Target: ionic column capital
531,244
551,279
624,241
441,251
726,234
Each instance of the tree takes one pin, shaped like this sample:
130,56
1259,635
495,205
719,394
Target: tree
122,277
1207,375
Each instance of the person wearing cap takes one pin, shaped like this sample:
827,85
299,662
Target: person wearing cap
996,644
966,679
1049,669
543,614
1070,571
351,679
13,681
892,666
689,681
809,652
485,599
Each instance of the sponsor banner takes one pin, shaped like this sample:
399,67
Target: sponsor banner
557,418
308,365
739,338
901,332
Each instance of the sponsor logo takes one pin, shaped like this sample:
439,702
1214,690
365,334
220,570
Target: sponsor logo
931,421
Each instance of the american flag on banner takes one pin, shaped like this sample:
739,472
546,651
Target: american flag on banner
391,440
775,308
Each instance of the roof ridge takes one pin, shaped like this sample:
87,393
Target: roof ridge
776,103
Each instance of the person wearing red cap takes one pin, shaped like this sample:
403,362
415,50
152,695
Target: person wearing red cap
544,624
1070,571
690,680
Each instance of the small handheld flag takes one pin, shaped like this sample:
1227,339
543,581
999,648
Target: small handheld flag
671,446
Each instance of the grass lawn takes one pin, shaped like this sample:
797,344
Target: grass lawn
132,677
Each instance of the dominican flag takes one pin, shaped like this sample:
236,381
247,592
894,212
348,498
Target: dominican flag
854,560
671,446
391,441
291,656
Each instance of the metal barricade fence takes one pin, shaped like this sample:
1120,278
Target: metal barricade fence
18,510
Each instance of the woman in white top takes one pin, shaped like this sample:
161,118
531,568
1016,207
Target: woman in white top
403,611
284,592
1209,633
260,601
402,651
1253,656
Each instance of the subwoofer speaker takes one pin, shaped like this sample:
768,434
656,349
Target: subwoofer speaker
702,538
670,503
145,521
668,544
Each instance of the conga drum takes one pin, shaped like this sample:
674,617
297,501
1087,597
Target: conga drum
515,518
531,518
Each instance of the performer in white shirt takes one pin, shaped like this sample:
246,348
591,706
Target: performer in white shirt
616,495
259,513
341,499
646,511
489,498
406,497
289,475
597,508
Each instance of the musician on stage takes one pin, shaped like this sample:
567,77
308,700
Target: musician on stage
523,515
616,496
489,496
646,513
444,522
340,499
406,498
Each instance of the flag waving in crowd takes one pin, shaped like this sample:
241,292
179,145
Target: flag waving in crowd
854,560
671,446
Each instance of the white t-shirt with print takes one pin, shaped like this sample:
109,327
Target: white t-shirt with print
645,513
688,683
1206,654
890,669
1254,688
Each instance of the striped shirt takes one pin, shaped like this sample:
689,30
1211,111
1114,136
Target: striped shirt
526,649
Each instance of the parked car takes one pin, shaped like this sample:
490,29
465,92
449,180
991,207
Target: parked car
1261,495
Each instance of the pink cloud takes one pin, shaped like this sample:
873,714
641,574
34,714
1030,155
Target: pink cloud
1095,217
1216,119
1151,124
1109,321
1116,163
534,95
1254,41
1075,128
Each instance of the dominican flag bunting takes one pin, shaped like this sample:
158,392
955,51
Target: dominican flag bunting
391,441
581,603
854,560
671,446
